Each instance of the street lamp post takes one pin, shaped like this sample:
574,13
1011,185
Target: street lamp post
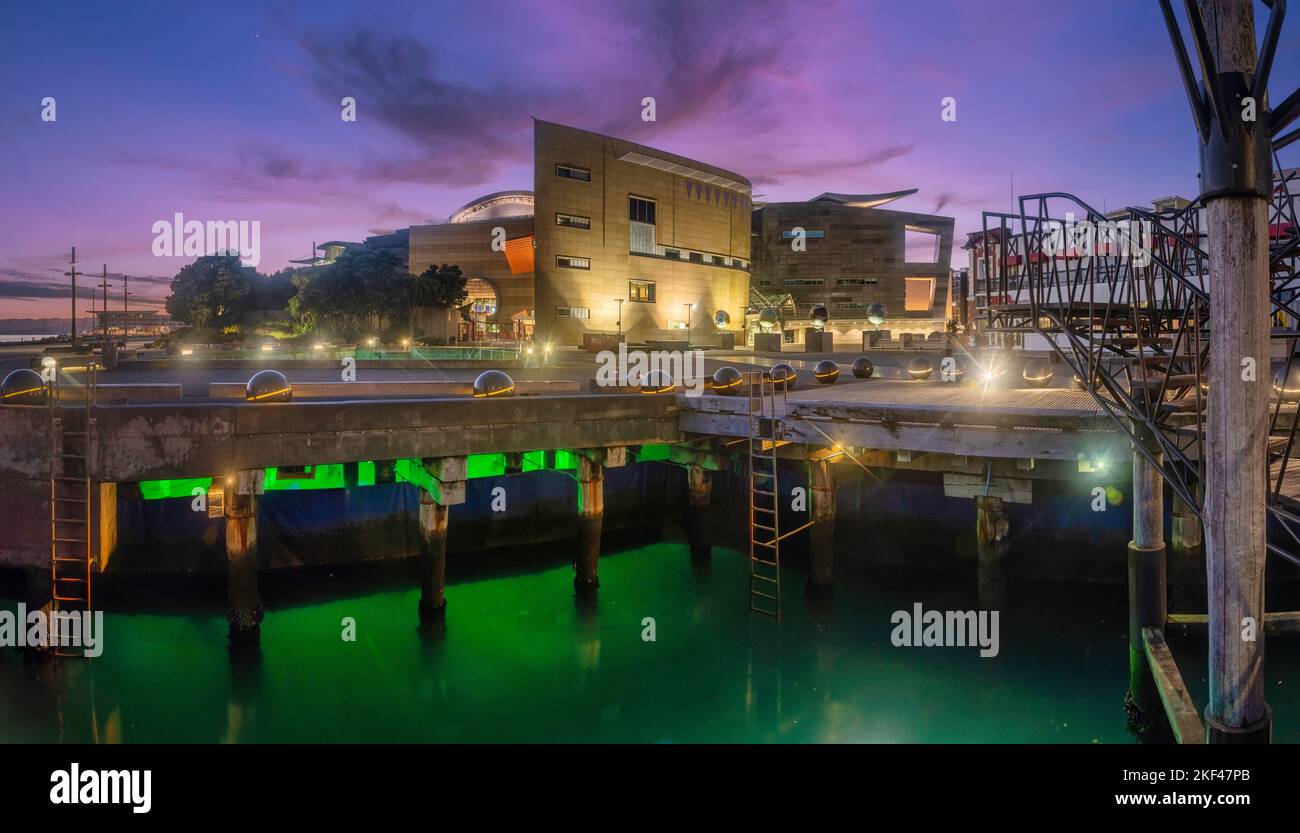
689,308
619,323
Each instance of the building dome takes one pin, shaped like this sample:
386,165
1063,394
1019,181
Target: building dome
503,205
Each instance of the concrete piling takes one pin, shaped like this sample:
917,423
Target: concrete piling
1147,605
244,602
433,557
821,488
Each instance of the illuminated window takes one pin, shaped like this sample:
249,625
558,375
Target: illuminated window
856,282
642,292
572,221
572,312
573,262
918,295
568,172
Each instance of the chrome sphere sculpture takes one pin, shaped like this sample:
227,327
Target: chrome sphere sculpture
656,381
768,318
23,386
826,371
863,368
268,386
1287,391
726,381
952,369
1037,373
722,318
920,368
493,383
819,316
783,376
876,314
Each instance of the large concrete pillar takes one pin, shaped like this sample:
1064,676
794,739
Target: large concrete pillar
699,491
821,491
433,557
244,602
1147,607
1237,416
992,541
591,518
446,488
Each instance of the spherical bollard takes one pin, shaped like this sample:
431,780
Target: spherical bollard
493,383
268,386
863,368
1037,373
656,381
726,381
1287,392
952,369
783,376
826,371
920,368
23,386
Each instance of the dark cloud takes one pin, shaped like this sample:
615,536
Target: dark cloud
16,284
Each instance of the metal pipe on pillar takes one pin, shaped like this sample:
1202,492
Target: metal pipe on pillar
591,518
992,541
244,603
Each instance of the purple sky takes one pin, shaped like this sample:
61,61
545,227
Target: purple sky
230,111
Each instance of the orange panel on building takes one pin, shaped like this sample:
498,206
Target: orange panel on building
520,255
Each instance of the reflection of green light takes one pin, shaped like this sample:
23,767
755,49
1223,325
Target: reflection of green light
655,451
180,487
485,465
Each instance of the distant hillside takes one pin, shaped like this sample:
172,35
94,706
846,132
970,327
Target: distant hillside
37,326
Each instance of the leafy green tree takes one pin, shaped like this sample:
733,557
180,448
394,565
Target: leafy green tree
359,291
440,286
211,291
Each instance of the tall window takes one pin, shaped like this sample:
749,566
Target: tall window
573,312
570,172
918,295
573,262
641,210
642,292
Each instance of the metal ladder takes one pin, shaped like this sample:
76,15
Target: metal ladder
766,410
71,428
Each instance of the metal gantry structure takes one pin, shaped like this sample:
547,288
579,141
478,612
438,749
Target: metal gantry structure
1124,297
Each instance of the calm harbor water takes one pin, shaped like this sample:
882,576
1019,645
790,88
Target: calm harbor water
519,660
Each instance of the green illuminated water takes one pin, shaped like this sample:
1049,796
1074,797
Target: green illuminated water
520,661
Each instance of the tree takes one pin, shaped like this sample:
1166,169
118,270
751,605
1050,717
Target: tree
359,291
440,286
211,291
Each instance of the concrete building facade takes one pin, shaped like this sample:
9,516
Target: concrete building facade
628,233
614,237
846,253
